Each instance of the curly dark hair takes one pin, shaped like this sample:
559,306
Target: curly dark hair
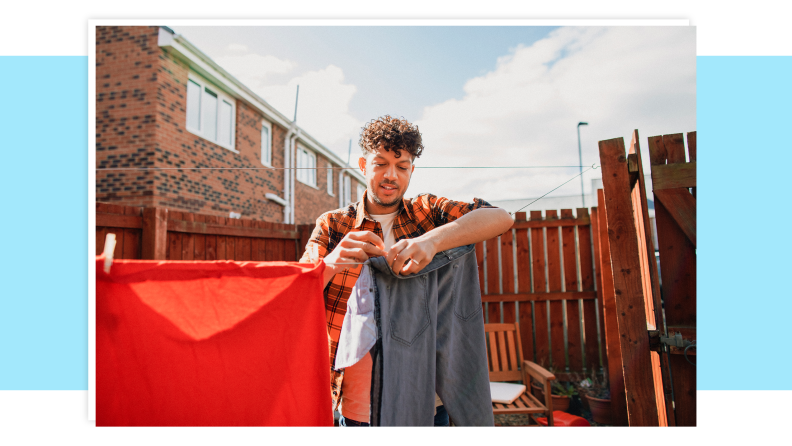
391,134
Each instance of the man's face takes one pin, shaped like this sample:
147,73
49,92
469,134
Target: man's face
387,177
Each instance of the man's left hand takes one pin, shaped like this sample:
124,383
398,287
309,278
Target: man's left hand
420,250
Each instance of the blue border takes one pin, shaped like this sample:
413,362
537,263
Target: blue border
44,298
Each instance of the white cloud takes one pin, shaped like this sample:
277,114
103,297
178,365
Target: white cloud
323,109
525,111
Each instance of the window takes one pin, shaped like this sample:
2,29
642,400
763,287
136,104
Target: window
210,113
266,143
347,190
330,179
306,166
360,189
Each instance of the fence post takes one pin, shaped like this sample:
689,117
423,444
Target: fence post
155,233
628,286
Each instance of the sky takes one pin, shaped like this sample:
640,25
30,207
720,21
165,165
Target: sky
481,96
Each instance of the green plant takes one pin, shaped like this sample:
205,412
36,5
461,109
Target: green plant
595,385
563,389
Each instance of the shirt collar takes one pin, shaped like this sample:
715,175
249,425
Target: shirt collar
361,213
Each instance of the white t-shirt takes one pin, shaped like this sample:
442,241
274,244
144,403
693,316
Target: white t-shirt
386,221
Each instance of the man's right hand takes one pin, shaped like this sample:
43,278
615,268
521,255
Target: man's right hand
355,247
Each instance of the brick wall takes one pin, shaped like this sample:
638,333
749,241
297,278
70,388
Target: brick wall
126,90
141,122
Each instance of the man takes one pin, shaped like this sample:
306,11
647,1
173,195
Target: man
407,232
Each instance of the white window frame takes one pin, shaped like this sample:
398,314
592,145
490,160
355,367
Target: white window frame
347,190
306,158
221,96
330,177
266,160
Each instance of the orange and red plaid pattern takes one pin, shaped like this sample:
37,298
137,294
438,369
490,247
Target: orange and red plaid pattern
416,217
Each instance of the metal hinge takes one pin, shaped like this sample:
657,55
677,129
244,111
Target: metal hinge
675,340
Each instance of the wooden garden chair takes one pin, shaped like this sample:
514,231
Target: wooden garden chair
504,357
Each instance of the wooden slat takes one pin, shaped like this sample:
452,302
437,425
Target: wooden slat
672,176
493,279
524,286
542,341
233,229
154,236
493,357
651,282
507,262
591,346
609,323
574,346
199,241
675,148
188,239
538,297
504,360
222,248
119,221
244,247
526,332
514,360
551,223
558,360
132,237
630,310
681,206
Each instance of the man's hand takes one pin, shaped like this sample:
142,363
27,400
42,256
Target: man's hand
355,247
420,250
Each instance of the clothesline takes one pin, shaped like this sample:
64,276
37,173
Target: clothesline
319,168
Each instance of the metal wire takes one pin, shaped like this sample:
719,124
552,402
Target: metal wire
320,168
593,166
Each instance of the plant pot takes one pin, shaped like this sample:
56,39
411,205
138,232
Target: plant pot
600,410
584,400
561,402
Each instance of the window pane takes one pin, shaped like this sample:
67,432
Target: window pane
300,165
224,124
330,180
209,110
266,150
193,105
313,170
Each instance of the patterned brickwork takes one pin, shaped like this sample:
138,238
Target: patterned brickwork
141,120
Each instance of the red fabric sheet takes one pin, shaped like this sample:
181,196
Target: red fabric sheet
211,344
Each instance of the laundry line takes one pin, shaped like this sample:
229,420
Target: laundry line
321,168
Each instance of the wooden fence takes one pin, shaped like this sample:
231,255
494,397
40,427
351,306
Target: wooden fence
161,234
541,274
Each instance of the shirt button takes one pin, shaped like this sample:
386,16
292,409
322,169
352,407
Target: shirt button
335,393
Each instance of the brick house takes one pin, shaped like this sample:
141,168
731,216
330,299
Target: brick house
161,103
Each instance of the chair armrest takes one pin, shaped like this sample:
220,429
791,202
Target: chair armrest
538,372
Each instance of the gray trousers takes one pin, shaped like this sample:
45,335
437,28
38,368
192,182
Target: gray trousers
430,339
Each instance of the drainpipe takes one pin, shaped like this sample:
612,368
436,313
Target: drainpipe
293,177
288,172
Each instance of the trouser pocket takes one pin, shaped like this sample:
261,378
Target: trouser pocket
409,310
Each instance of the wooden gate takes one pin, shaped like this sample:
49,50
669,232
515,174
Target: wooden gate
632,307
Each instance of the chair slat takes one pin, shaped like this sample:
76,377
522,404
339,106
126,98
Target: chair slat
514,363
493,357
502,350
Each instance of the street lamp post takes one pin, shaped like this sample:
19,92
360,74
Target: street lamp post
580,158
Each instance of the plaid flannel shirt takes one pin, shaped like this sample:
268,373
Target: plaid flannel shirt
416,217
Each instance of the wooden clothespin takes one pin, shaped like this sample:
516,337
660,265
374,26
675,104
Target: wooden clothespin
109,247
